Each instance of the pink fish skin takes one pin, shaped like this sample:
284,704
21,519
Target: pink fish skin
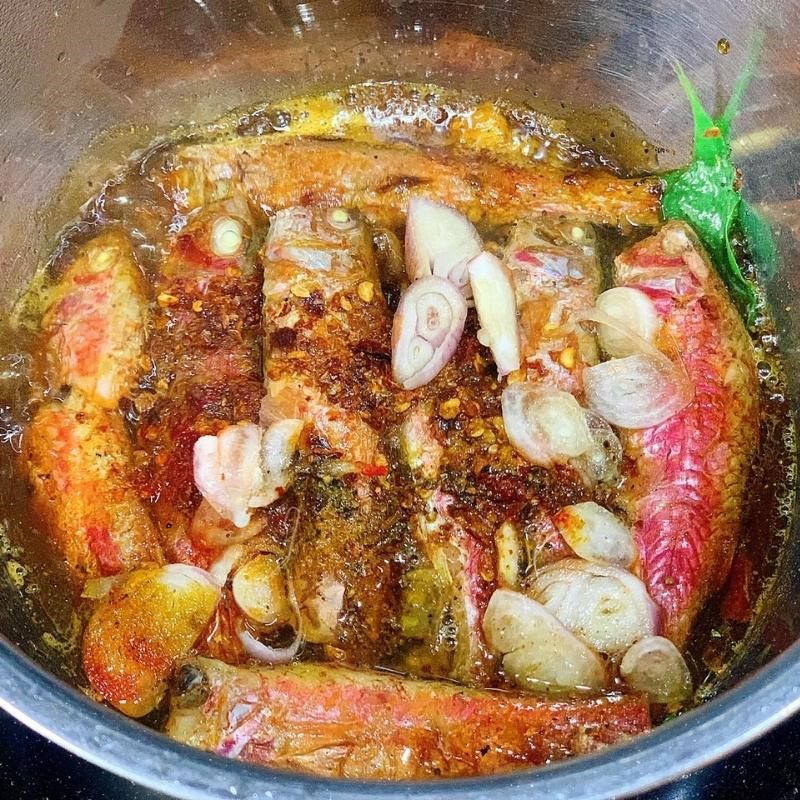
686,487
340,722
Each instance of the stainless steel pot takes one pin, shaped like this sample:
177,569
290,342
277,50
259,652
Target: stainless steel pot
115,73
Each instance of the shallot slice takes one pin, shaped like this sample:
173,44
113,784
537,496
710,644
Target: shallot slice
601,463
545,425
596,535
227,237
214,530
427,327
638,391
439,241
495,300
241,468
633,309
537,649
278,446
227,470
656,667
606,607
267,654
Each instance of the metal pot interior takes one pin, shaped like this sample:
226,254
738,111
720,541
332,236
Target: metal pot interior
82,85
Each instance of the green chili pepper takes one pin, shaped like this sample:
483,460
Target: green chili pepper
706,195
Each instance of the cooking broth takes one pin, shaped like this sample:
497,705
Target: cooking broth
323,502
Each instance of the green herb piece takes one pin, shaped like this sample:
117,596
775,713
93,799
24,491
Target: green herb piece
706,194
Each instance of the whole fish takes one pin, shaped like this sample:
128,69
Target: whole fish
77,457
685,489
346,723
326,362
77,453
378,180
206,361
148,619
326,334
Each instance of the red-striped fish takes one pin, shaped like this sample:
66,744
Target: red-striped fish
347,723
685,490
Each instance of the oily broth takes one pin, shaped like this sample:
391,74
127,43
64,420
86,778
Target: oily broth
419,114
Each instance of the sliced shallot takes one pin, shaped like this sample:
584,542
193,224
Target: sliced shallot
427,327
602,462
214,530
545,425
606,607
596,535
656,667
278,446
634,309
495,300
241,468
538,651
227,470
321,608
267,654
439,241
638,391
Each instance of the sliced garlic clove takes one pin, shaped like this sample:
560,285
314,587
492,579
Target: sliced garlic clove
259,589
596,535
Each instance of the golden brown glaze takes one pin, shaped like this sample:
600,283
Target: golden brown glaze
379,180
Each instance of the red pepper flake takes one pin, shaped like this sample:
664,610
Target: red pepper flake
373,470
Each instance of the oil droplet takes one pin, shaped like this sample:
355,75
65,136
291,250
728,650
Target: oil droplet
724,46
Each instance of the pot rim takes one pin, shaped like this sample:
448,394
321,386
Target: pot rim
130,750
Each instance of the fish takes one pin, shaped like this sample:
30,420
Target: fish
326,329
379,179
205,351
684,491
339,722
461,573
76,452
556,274
95,321
327,334
77,456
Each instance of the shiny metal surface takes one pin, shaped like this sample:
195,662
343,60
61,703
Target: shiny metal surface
114,74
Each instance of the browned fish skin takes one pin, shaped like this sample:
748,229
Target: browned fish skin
326,362
346,723
378,180
78,459
206,367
